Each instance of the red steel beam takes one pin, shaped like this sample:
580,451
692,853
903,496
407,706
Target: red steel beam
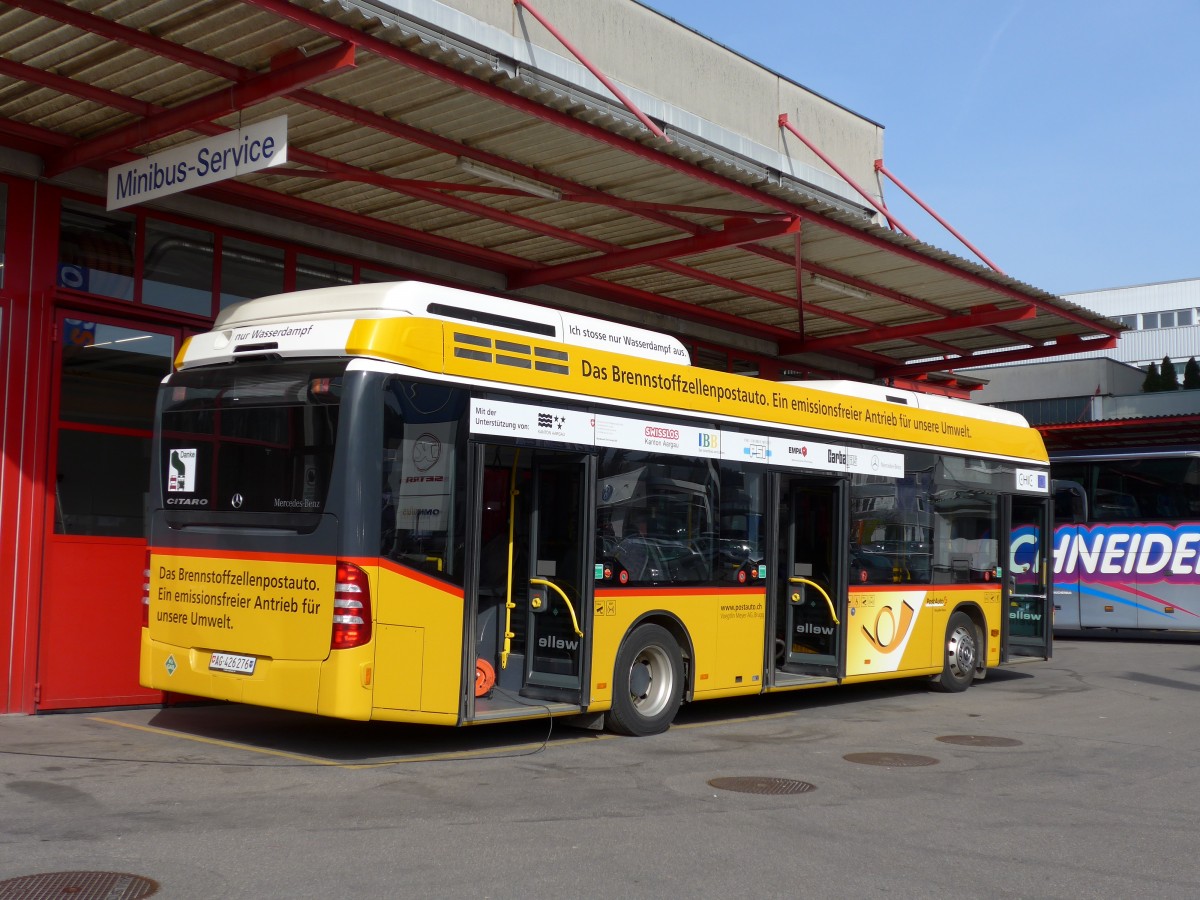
320,24
611,262
70,86
308,211
880,167
143,40
332,168
784,123
161,47
653,212
953,322
600,76
204,109
409,59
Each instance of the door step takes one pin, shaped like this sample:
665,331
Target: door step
785,680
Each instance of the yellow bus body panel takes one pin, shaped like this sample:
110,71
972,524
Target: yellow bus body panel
277,607
900,630
726,631
419,645
411,341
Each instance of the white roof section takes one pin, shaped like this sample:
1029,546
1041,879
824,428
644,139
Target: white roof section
418,298
914,400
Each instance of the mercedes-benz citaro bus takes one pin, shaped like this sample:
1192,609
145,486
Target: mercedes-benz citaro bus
414,503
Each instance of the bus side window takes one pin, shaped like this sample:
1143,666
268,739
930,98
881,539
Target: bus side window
422,522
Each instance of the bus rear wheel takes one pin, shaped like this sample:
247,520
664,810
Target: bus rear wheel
647,682
961,654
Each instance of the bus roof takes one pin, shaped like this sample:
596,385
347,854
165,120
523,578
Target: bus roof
915,400
418,298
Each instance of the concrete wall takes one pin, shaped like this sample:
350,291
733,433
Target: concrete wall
676,75
1043,381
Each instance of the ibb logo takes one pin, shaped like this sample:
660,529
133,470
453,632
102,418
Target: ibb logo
709,441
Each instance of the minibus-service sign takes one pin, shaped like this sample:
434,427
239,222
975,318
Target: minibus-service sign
198,163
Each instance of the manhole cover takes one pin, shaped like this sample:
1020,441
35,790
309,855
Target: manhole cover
78,886
891,760
979,740
750,784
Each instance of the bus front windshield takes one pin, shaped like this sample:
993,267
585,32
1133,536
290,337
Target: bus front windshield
254,438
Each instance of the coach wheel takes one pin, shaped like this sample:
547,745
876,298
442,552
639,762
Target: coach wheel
647,682
961,654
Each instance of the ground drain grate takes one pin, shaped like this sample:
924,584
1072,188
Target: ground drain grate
979,740
891,760
752,784
78,886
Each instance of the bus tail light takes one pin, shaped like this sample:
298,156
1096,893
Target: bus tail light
146,592
351,608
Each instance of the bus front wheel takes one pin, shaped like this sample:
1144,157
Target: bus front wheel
962,655
647,682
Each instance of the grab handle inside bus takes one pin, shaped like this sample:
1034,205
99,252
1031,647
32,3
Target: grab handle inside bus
820,590
509,605
570,606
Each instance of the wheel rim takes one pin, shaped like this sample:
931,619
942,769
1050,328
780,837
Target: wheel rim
651,681
961,651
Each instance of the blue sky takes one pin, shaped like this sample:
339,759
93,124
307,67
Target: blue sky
1061,137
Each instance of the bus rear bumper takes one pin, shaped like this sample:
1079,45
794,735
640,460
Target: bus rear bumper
280,684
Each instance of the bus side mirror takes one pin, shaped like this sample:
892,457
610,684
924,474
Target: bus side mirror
1070,503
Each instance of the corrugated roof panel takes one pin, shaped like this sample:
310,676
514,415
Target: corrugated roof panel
236,34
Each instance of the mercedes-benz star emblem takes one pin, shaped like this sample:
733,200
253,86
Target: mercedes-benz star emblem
236,501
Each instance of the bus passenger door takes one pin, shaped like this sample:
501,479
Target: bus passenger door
560,577
1028,623
808,587
532,590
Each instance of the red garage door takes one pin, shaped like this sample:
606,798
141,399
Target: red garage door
106,377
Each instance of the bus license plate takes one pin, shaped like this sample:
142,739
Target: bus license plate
230,662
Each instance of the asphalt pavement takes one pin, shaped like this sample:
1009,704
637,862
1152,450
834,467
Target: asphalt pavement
1073,778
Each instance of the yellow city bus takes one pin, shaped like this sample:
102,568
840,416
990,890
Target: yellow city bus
413,503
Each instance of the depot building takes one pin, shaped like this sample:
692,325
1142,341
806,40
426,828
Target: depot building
159,162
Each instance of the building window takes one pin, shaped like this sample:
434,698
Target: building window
177,268
249,270
375,276
1183,317
108,382
1130,322
96,250
315,272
